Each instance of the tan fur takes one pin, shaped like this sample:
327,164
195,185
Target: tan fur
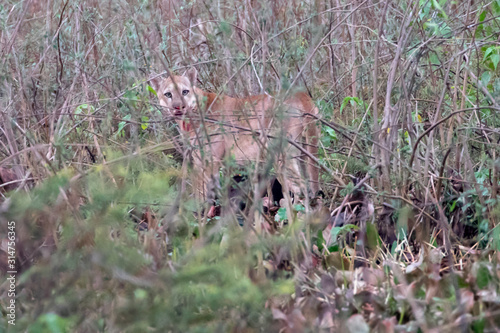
241,127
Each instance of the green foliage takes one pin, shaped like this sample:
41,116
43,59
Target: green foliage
350,100
50,322
435,24
150,89
492,54
341,231
122,124
97,247
373,240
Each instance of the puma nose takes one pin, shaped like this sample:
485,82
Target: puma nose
178,109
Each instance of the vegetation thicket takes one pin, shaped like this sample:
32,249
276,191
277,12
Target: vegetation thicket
110,238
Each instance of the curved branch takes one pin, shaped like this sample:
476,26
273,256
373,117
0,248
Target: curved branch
442,121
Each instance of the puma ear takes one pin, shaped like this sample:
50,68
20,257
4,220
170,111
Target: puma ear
192,75
154,81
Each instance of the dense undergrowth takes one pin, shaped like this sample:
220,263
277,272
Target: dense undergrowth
109,237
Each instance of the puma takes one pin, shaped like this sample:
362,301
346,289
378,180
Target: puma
245,129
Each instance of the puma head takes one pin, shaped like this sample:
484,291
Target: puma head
176,93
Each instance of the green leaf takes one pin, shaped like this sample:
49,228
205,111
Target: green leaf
225,28
280,215
484,226
140,294
152,90
351,100
144,124
482,16
483,277
320,240
496,7
394,247
344,103
485,78
496,85
331,132
495,59
478,326
299,208
488,51
79,109
333,248
50,322
122,124
372,236
437,6
452,206
434,59
334,233
496,238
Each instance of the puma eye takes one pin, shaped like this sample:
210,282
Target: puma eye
168,94
185,92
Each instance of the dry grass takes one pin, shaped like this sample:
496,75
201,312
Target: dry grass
408,94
